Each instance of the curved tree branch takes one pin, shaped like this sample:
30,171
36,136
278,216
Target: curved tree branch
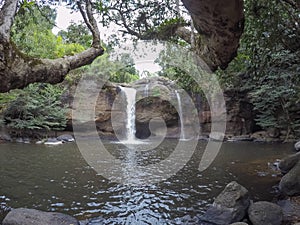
90,21
219,25
17,69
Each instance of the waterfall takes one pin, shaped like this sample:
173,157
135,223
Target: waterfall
146,91
130,113
182,134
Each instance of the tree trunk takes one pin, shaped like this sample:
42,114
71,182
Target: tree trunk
17,69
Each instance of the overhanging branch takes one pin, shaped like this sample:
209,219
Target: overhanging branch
17,69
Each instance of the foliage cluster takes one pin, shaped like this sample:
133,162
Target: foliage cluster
270,57
32,33
37,107
267,64
121,70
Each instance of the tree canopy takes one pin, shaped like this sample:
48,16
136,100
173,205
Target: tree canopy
142,19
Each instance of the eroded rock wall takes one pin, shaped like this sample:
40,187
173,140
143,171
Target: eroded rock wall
158,100
220,25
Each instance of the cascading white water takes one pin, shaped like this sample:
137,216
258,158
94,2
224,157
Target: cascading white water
146,91
130,94
182,133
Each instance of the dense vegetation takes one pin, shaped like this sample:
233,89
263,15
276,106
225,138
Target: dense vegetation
269,57
267,65
39,106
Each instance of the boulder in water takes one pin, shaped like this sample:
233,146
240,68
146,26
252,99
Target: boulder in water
230,206
265,213
287,163
290,182
66,138
24,216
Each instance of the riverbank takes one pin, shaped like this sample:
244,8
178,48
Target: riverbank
260,136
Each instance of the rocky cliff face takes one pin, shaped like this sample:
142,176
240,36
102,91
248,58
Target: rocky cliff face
220,25
240,115
156,99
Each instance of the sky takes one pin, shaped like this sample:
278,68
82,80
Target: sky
65,17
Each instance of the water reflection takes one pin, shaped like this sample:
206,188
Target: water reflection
58,179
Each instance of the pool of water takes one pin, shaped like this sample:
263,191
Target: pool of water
58,179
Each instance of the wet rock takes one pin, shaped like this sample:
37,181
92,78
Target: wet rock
291,209
230,206
265,213
241,138
5,137
297,146
23,140
287,163
40,142
290,182
66,138
53,141
24,216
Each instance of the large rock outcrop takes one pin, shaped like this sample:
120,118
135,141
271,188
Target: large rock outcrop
156,98
220,25
240,114
230,206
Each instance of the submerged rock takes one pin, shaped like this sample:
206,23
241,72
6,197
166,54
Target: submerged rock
24,216
265,213
230,206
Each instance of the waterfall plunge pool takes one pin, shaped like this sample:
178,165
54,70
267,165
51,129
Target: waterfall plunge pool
58,179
